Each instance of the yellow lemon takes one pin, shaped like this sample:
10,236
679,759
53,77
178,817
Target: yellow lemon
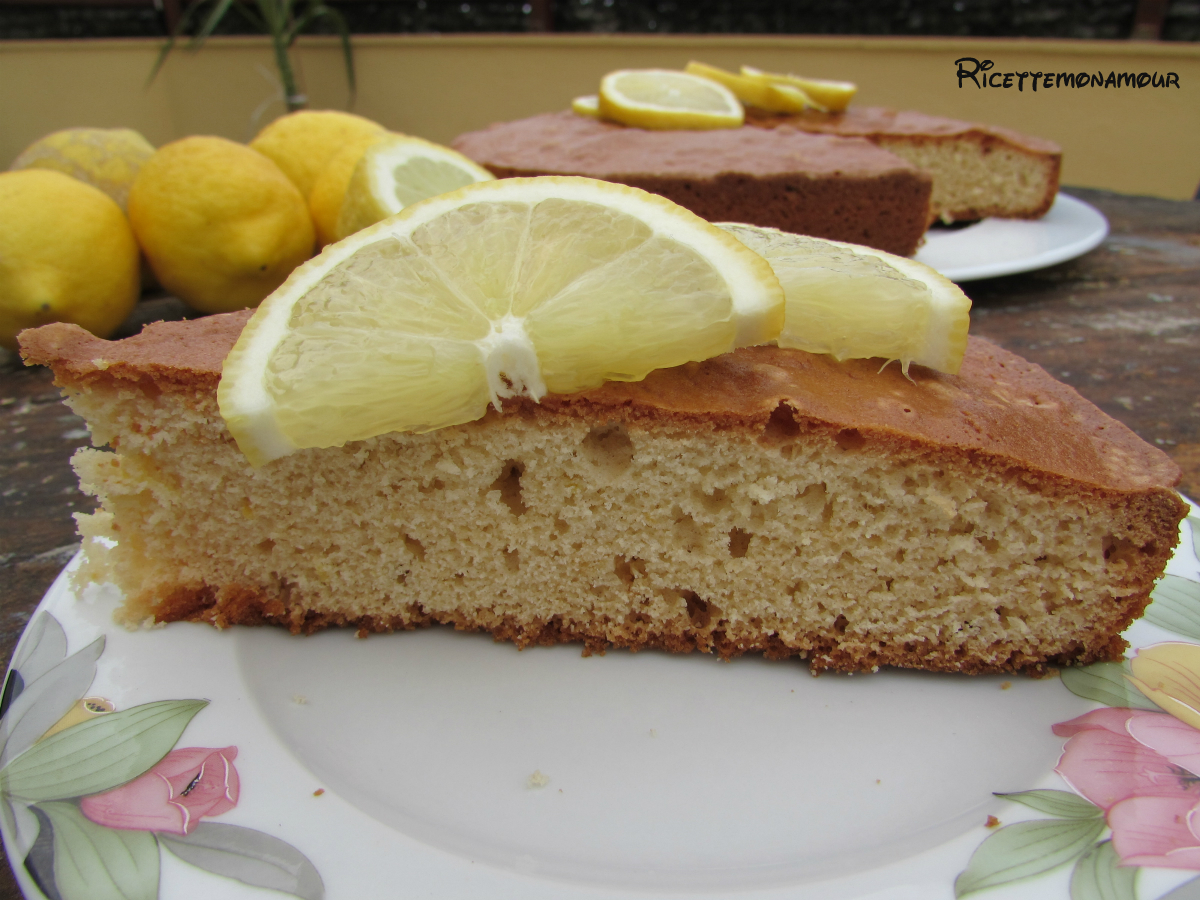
67,254
302,143
106,158
587,105
221,225
399,171
666,99
754,92
826,95
512,287
856,302
329,190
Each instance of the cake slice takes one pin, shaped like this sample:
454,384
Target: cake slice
765,500
978,170
846,189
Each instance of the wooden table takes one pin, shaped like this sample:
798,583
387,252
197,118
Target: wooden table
1121,325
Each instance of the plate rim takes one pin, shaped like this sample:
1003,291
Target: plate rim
1045,259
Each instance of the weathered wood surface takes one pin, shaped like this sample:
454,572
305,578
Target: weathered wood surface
1121,325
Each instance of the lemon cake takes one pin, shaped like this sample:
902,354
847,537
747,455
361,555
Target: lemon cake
765,500
845,189
978,170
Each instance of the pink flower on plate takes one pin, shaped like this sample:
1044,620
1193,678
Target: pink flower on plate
185,786
1139,767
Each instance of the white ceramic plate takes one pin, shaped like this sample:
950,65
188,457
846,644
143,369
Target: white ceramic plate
995,247
434,764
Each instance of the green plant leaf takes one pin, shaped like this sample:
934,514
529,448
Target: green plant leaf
92,862
1105,683
1194,521
1176,606
99,754
220,8
1060,804
250,856
1026,849
1098,875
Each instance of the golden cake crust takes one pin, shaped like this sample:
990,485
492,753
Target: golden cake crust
877,121
834,187
999,405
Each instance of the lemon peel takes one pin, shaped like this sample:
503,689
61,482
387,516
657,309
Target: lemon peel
515,287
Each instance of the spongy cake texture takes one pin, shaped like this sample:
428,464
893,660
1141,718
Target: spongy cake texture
766,500
978,170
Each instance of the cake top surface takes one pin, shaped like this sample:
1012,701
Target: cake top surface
570,144
999,404
879,121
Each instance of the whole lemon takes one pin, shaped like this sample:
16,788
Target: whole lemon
107,158
67,254
302,143
329,189
221,225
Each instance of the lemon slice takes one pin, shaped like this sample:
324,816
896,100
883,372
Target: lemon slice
587,105
505,288
397,171
756,92
666,99
855,302
828,96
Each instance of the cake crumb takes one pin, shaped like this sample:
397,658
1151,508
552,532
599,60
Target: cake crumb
1005,685
318,792
299,699
879,781
991,822
538,779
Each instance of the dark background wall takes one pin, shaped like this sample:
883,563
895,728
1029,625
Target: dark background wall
1175,20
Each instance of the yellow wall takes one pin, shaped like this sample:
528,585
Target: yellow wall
1138,141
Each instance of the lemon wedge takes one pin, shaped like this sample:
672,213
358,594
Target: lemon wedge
397,171
666,99
828,96
756,92
855,302
515,287
587,105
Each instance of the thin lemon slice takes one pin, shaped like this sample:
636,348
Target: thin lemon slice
666,99
397,171
756,92
587,105
829,96
504,288
855,302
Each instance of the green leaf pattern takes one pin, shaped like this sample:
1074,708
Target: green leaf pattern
1176,606
43,778
1098,875
1060,804
99,754
1026,849
1106,684
92,862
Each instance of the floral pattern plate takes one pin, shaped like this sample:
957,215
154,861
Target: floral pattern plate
183,762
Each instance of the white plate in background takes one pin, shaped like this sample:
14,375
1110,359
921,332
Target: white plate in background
994,247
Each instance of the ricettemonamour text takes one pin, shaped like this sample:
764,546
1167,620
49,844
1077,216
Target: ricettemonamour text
981,74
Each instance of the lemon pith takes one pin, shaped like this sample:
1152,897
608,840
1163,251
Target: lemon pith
856,302
503,288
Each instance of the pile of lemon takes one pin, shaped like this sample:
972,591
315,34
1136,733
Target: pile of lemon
442,290
88,216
